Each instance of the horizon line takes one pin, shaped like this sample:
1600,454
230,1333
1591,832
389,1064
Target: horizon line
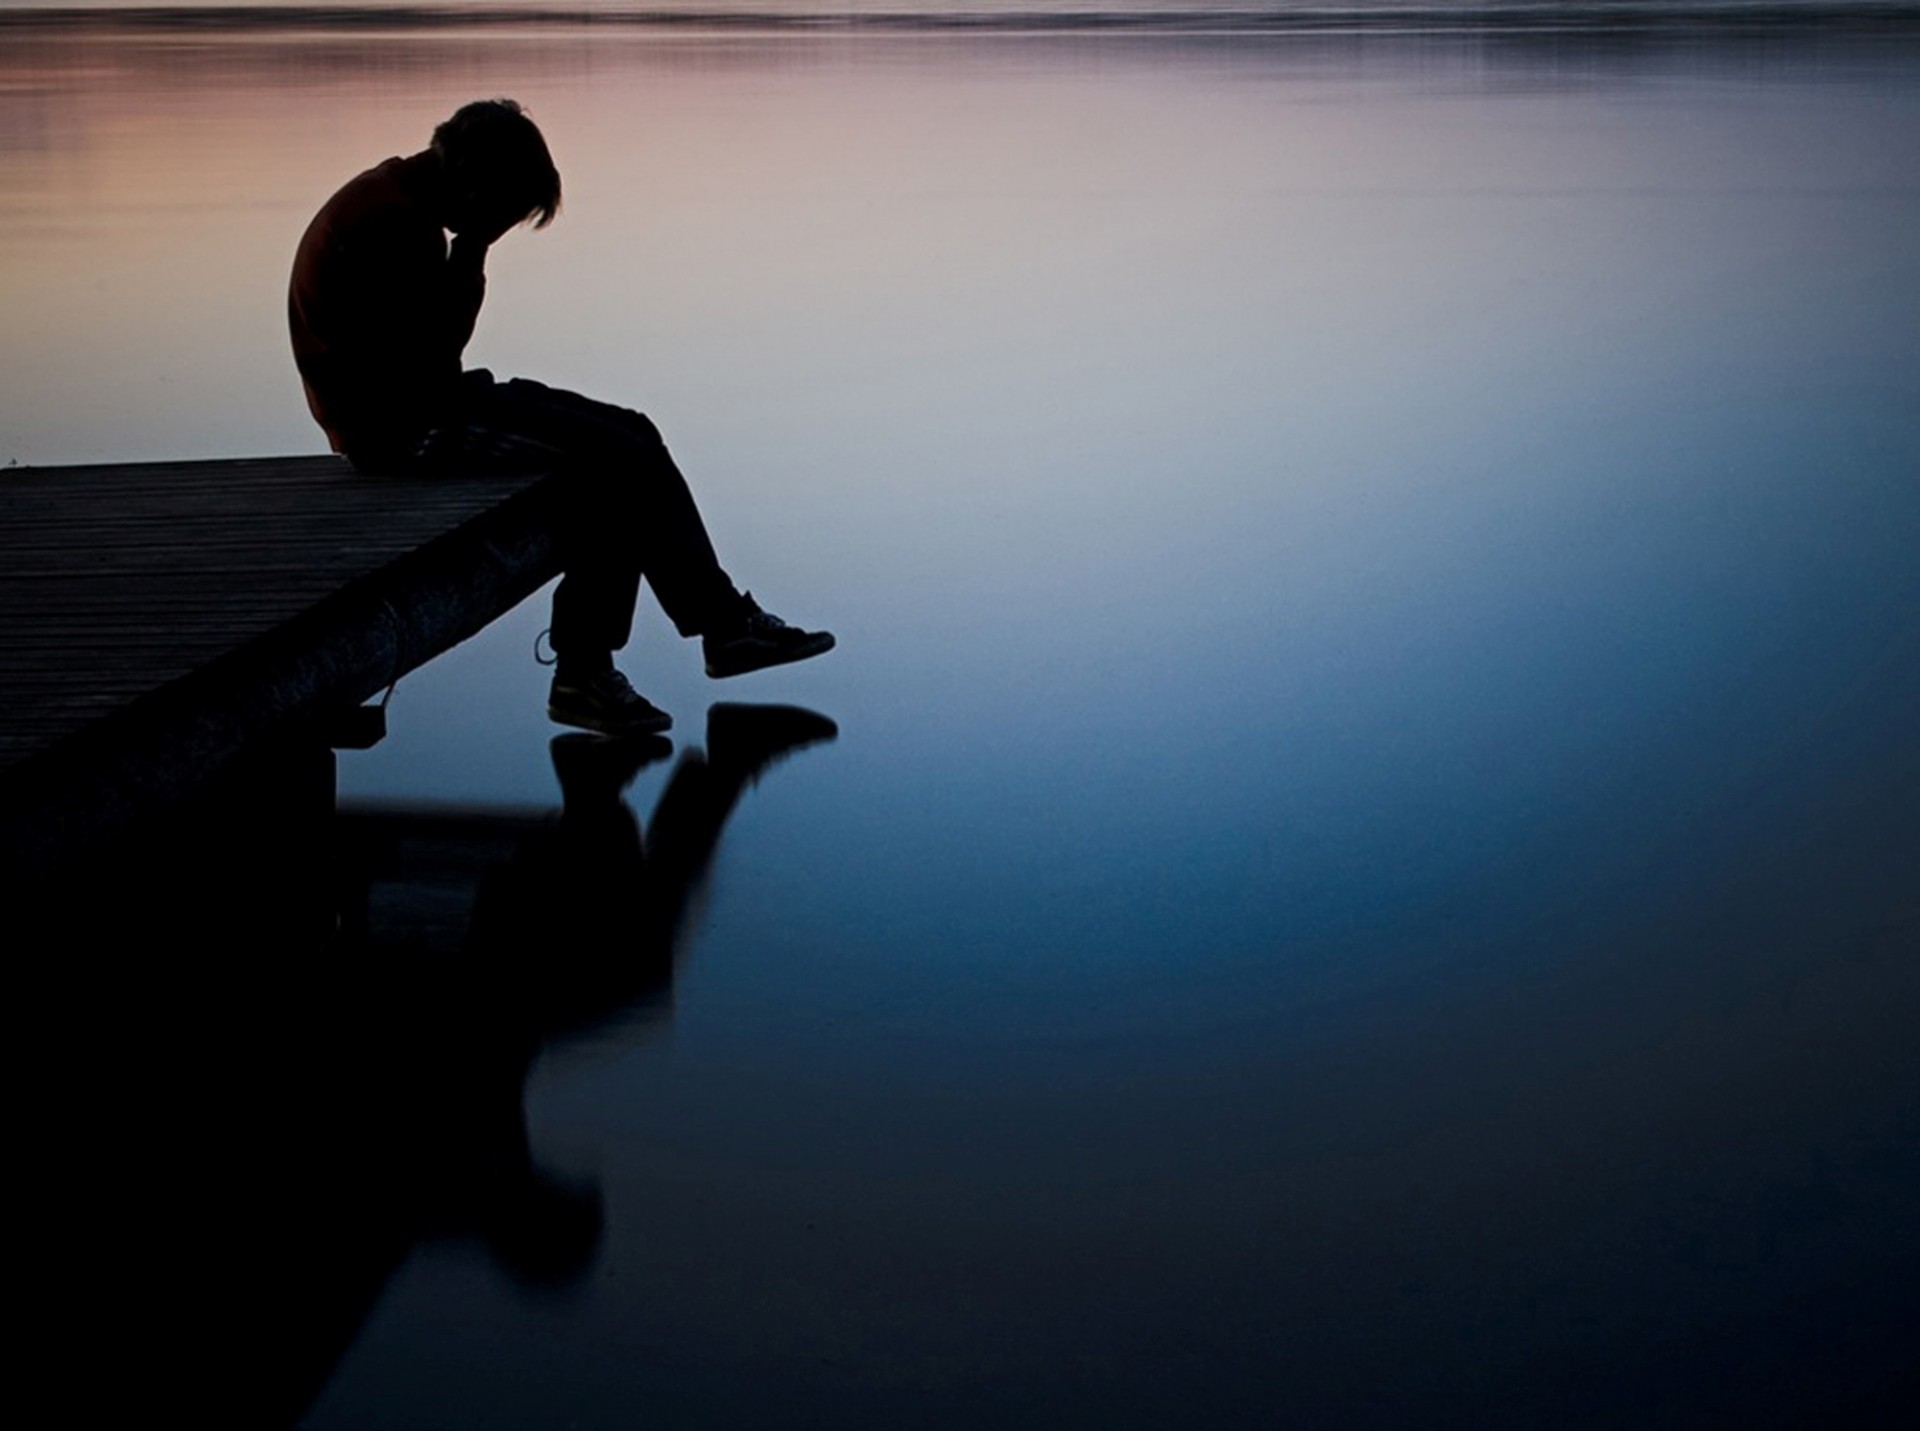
1275,16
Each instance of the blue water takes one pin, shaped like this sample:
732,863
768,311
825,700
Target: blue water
1368,873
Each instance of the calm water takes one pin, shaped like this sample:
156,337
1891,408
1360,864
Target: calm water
1368,877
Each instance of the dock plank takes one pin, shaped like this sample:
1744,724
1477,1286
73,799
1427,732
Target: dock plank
157,619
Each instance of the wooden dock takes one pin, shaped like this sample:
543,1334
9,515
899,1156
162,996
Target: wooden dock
159,621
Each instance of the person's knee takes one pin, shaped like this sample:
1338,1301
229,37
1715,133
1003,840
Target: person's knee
605,443
644,432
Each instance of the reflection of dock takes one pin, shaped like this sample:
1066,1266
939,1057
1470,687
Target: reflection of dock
159,621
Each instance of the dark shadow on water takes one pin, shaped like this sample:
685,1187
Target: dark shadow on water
293,1046
272,1055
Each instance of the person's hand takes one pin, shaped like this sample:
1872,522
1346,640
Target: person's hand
474,237
469,250
483,221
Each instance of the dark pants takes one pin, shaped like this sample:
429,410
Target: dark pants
627,512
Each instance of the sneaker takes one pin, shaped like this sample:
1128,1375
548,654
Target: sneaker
759,641
606,703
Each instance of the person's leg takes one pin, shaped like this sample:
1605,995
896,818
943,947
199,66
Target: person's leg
629,514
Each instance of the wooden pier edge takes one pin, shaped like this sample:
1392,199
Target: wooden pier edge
155,751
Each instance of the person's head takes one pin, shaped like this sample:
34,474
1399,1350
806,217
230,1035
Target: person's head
497,169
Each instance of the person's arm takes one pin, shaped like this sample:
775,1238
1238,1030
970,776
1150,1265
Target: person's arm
466,288
481,229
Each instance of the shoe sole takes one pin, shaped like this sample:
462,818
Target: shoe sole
761,660
656,724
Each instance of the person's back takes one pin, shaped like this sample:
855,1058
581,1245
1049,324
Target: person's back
378,315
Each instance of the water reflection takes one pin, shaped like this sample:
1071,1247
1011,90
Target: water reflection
580,925
426,960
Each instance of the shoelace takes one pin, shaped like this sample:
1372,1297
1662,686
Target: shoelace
758,620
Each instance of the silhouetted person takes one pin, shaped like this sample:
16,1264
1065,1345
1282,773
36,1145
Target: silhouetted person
381,307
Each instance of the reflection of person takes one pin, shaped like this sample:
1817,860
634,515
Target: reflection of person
381,307
416,1122
596,902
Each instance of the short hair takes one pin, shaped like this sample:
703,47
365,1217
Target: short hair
491,142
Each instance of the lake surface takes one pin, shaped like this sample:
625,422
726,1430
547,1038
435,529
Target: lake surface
1368,875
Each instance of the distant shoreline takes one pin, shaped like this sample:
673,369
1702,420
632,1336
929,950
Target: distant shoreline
1577,16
